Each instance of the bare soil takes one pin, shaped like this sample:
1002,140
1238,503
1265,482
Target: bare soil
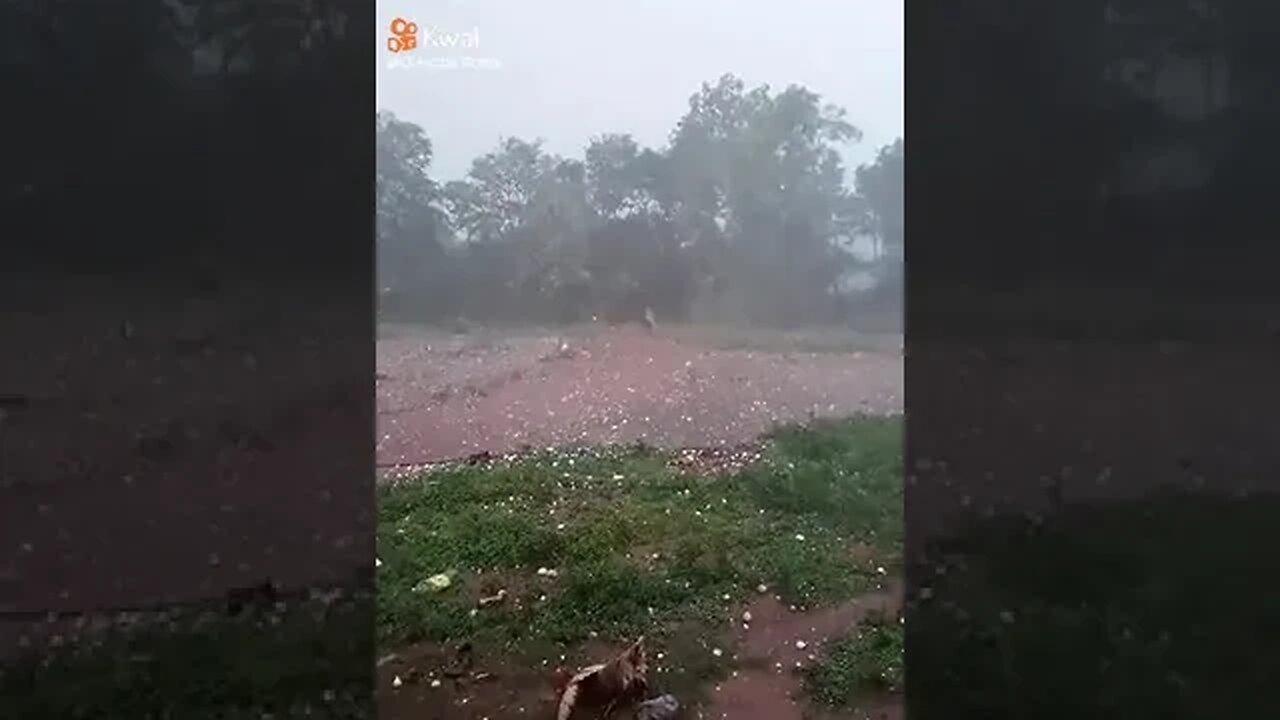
95,533
415,682
771,646
444,397
175,464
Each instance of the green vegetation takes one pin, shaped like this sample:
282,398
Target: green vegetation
696,230
633,541
310,659
1104,611
627,541
609,544
868,659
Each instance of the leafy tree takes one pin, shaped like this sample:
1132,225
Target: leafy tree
498,194
523,215
881,190
410,254
746,214
636,257
761,195
174,91
882,185
611,164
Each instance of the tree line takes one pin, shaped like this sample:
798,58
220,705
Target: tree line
748,214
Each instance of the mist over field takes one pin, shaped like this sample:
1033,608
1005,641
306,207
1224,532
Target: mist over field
595,161
638,436
737,276
642,279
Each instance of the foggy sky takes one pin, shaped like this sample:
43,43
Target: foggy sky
566,70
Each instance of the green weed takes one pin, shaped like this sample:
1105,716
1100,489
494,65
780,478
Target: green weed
633,542
867,660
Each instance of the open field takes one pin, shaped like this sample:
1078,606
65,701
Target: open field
75,557
444,396
1101,631
580,468
1153,608
765,578
180,461
300,657
739,568
1219,546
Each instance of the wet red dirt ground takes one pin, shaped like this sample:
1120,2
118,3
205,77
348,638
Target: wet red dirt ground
209,517
771,644
446,397
136,475
766,686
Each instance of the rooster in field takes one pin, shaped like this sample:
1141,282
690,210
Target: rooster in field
620,680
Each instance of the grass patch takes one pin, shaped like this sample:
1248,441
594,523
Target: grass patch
308,660
635,544
1165,608
847,474
1160,608
867,660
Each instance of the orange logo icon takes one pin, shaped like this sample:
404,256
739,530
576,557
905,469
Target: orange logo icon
404,36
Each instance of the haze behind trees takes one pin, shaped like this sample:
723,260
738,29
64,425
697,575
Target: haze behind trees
747,215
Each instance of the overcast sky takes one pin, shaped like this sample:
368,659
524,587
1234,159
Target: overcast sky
566,70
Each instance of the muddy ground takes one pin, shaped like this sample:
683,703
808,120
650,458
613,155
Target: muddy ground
764,682
444,396
447,396
87,530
